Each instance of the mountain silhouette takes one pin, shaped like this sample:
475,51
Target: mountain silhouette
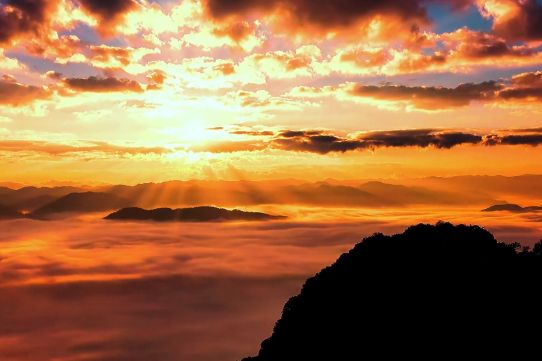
511,208
31,198
83,202
432,292
196,214
7,213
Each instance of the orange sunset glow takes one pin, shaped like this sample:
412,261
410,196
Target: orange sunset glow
173,171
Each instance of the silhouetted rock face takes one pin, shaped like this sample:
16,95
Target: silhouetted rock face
83,202
7,213
197,214
432,292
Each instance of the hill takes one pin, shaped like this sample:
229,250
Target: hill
83,202
432,292
7,213
420,195
31,198
511,208
196,214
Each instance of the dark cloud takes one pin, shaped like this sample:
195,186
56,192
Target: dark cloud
325,143
299,133
419,138
525,139
522,21
20,18
430,98
306,16
531,93
521,88
102,85
328,14
108,13
494,49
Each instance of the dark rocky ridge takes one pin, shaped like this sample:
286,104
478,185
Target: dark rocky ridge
196,214
432,292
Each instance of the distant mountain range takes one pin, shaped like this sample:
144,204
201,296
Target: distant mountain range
196,214
83,202
433,191
7,213
512,208
432,292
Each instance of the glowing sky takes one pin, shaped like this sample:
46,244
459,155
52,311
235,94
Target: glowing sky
127,91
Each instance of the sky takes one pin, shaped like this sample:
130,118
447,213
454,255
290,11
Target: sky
130,91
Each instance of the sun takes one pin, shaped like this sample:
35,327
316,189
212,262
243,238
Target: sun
193,131
196,132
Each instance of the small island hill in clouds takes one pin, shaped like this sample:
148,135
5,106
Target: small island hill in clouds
173,173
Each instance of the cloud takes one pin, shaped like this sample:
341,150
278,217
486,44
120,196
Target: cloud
417,97
228,146
329,16
285,64
171,291
101,85
323,143
528,79
111,57
20,18
524,87
522,130
92,114
9,63
88,147
108,13
461,51
61,49
429,98
515,20
526,139
53,75
137,291
15,94
253,133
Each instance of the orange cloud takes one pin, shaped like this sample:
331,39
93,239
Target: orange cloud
15,94
528,79
110,57
525,88
56,149
515,20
